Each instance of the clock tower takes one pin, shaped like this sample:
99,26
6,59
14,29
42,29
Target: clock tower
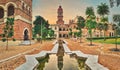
60,15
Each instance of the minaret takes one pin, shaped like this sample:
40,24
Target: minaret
60,16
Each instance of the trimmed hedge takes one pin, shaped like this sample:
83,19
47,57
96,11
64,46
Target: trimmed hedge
96,38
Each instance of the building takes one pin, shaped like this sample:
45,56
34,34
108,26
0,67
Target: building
62,30
21,11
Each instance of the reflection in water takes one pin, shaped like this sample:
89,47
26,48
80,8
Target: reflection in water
61,61
60,55
42,62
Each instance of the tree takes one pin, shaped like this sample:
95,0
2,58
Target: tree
51,33
70,32
116,27
89,12
41,27
75,34
90,22
8,31
100,27
103,10
80,25
112,3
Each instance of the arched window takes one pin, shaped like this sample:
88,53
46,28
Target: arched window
10,10
1,13
60,29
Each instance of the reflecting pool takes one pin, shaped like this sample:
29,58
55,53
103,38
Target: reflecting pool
61,61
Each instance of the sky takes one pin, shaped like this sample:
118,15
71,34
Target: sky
71,9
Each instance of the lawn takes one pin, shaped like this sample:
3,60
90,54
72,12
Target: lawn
108,41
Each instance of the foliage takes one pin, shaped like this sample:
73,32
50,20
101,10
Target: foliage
90,11
80,25
3,39
103,9
41,28
8,31
70,32
75,34
100,26
101,38
112,3
116,27
108,41
51,33
90,22
14,39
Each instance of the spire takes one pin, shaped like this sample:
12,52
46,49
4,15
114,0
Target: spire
60,15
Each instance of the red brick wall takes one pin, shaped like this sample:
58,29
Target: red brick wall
23,14
19,27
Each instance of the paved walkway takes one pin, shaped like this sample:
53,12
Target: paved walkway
18,60
113,59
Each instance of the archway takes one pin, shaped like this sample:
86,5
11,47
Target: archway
26,36
10,10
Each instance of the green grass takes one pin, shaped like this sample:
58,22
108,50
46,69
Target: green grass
108,41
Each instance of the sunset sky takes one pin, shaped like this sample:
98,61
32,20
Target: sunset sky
71,8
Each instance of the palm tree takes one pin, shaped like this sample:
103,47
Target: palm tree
70,32
112,3
103,10
116,27
90,22
100,27
80,24
89,12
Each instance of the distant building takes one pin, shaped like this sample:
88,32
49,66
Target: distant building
21,10
62,30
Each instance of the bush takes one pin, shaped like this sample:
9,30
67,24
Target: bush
38,39
96,38
49,38
33,38
14,39
3,39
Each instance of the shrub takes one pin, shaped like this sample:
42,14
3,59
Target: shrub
14,39
3,39
96,38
